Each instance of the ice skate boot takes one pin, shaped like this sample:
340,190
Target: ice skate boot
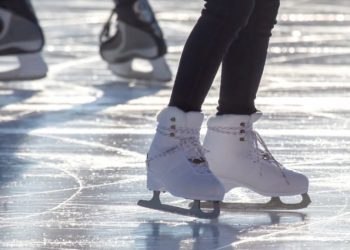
176,164
136,50
21,42
238,156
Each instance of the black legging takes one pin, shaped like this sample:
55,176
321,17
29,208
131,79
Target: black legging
236,33
20,7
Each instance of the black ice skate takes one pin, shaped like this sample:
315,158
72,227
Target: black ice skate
137,48
20,37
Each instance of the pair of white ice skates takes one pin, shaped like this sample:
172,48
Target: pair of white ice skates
23,39
234,155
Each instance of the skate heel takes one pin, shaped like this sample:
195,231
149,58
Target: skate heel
30,66
161,70
145,69
153,183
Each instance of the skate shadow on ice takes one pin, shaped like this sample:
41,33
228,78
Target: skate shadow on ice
120,92
16,126
113,94
214,234
17,143
24,154
10,95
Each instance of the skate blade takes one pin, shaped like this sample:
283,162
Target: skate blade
274,204
31,67
194,210
150,70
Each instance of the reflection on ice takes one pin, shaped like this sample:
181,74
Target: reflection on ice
214,234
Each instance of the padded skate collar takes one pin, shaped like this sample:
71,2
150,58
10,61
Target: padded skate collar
171,115
233,120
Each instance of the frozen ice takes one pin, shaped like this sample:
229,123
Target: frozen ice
73,145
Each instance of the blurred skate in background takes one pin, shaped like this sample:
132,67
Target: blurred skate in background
136,48
21,42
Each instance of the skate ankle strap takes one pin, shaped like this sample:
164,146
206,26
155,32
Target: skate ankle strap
105,33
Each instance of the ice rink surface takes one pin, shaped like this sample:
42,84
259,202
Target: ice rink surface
73,145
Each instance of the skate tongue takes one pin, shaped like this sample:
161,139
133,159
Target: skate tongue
193,150
256,116
194,119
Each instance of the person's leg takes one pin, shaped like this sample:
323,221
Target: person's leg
219,25
237,154
22,8
176,160
121,2
23,38
244,62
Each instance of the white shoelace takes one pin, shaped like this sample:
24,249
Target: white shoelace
265,153
260,154
189,142
193,148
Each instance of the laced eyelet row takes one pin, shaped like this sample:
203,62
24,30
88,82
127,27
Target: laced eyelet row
173,127
245,132
188,141
242,131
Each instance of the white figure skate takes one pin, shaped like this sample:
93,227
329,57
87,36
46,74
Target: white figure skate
137,48
22,39
176,164
238,156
